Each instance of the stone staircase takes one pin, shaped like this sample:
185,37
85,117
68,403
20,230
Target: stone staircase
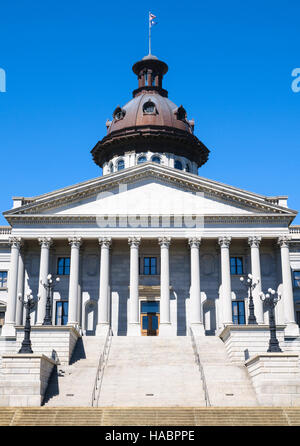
228,384
151,371
150,416
72,385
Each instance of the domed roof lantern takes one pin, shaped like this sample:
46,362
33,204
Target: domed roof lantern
150,71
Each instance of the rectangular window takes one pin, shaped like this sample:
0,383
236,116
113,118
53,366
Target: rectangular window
61,313
236,266
238,312
3,279
296,276
150,266
150,307
298,317
63,266
2,316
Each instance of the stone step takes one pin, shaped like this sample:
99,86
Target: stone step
140,416
73,385
151,371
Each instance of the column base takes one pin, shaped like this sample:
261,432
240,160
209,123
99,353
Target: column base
134,329
198,329
165,329
102,329
8,330
291,330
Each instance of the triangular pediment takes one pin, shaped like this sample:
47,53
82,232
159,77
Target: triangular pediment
148,189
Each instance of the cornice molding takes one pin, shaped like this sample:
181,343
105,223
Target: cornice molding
93,219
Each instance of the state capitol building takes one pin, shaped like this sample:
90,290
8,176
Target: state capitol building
150,248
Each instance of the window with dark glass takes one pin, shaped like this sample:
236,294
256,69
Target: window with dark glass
187,168
296,275
149,107
61,317
141,159
150,266
298,317
150,307
3,279
155,159
238,312
178,165
63,266
119,113
236,265
120,165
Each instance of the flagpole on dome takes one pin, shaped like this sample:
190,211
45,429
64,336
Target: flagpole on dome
151,23
149,32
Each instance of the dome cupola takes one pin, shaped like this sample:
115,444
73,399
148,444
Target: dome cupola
150,125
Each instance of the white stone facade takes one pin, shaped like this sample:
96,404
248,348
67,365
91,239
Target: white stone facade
191,225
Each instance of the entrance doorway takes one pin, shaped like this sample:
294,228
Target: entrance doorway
150,318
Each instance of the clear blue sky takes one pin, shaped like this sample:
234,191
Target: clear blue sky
68,65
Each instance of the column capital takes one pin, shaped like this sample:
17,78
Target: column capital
194,242
164,242
75,241
254,241
134,241
283,241
224,241
45,242
105,242
15,242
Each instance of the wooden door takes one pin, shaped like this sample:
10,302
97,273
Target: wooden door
150,324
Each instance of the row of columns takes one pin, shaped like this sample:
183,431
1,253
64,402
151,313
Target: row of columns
16,284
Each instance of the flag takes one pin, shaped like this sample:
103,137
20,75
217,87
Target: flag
151,19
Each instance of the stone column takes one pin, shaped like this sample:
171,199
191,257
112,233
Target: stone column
8,328
195,293
75,243
226,301
134,328
20,288
292,328
165,319
254,243
45,243
103,302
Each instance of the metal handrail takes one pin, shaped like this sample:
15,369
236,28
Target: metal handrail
100,369
198,362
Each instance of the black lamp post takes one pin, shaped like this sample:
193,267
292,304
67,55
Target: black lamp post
250,283
29,304
270,300
49,288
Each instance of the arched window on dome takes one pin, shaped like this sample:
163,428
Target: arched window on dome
120,164
141,159
149,108
187,168
181,113
119,113
155,159
178,165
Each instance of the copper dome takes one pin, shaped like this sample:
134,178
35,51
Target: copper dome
150,121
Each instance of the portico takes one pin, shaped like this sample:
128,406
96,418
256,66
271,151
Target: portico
188,276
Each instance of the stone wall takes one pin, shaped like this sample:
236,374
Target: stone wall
56,342
24,379
245,341
275,378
